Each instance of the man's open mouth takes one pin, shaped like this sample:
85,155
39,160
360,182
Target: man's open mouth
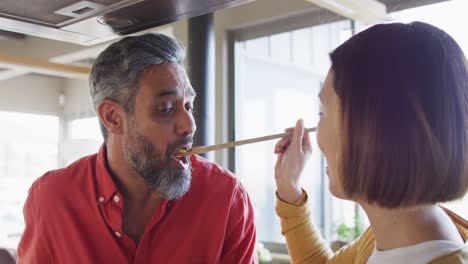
181,157
184,151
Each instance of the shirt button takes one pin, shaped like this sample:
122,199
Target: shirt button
118,234
116,198
101,199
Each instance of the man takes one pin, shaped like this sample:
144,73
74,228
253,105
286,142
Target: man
135,201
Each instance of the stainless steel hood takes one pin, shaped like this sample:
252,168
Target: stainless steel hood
96,21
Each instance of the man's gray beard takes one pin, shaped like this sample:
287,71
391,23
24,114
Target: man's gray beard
156,169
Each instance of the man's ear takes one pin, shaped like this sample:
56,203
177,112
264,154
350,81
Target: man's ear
111,114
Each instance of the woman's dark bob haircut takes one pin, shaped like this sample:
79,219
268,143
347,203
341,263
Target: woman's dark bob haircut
403,96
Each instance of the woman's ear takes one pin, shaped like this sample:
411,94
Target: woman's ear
111,115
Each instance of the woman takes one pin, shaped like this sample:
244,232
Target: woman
393,120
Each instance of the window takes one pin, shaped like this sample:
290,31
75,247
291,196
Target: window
84,138
28,148
85,128
278,78
449,16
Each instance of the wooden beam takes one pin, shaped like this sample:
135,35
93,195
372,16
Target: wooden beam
8,74
367,11
26,64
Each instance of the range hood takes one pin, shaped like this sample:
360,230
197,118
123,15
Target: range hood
96,21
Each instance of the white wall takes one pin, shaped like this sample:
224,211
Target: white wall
77,99
31,94
37,47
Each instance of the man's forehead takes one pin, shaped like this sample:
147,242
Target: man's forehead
186,91
167,79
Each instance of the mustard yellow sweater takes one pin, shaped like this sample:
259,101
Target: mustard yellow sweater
306,245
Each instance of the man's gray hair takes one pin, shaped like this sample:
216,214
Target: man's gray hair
117,69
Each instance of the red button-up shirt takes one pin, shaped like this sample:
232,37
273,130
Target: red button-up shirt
74,215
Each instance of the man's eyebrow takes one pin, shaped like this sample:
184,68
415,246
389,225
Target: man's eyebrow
167,93
175,92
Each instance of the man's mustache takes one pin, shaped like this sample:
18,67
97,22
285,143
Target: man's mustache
173,147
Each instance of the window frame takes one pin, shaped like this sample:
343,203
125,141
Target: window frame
283,25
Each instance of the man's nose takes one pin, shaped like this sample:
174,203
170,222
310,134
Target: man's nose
186,123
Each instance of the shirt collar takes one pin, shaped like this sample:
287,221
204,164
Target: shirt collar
105,185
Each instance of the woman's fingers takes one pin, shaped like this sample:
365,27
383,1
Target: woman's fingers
292,154
301,139
282,145
298,134
279,160
306,144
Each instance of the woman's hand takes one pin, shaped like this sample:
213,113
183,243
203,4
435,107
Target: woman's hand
292,156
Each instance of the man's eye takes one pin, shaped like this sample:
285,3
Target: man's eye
189,108
167,109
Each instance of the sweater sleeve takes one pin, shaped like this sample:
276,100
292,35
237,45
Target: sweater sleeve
304,241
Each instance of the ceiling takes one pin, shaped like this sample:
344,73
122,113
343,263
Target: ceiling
79,24
96,21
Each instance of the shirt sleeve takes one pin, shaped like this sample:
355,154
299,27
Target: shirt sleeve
304,241
33,246
240,238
